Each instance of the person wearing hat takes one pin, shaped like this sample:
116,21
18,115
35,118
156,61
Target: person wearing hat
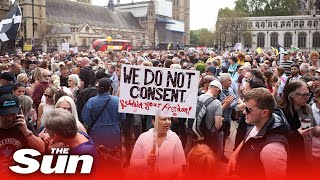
14,132
101,115
6,84
286,63
213,118
84,95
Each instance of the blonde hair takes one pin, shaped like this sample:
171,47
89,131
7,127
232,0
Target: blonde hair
73,110
147,63
201,161
37,74
55,80
21,77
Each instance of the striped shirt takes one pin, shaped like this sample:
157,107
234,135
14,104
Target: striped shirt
287,67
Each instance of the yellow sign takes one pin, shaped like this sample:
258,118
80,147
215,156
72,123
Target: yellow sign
114,47
27,47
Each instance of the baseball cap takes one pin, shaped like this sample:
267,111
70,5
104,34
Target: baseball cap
9,104
217,84
105,83
286,53
7,76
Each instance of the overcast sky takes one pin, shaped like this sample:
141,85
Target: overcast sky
203,13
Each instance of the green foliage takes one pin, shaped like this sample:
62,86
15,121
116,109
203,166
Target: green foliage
202,37
200,66
194,37
267,7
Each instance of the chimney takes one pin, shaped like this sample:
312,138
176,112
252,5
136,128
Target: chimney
111,5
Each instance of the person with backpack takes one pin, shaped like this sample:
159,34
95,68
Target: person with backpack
205,127
264,151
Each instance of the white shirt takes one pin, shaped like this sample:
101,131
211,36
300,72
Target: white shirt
316,141
170,154
273,157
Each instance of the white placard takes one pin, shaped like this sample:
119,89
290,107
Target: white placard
145,89
65,47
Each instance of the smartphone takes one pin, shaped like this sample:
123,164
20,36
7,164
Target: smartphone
305,123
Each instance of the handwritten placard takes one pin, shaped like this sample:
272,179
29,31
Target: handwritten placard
145,89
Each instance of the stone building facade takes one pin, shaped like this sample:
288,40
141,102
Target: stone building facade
299,31
48,23
76,23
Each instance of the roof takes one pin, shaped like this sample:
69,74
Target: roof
140,9
70,12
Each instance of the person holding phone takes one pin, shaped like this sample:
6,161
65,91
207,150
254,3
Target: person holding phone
298,113
14,131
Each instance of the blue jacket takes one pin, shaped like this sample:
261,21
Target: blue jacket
106,130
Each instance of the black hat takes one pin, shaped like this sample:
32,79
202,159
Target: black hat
105,83
9,104
7,76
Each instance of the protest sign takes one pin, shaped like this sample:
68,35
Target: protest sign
145,89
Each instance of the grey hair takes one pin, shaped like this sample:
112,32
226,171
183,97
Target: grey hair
61,122
26,105
305,67
76,78
224,77
176,60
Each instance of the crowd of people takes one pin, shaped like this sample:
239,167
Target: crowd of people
71,100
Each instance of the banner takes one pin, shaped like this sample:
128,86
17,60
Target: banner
65,47
27,47
10,24
237,46
146,89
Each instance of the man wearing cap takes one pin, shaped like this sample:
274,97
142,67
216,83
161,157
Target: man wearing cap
14,134
101,115
6,84
213,119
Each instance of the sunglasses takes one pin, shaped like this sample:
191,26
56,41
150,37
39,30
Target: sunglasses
249,110
48,96
248,80
46,75
306,95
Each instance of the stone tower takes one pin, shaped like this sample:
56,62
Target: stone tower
33,25
4,8
181,12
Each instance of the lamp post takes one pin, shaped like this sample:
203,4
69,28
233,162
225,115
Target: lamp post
220,44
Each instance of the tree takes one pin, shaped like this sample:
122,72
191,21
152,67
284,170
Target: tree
230,26
194,38
267,7
202,37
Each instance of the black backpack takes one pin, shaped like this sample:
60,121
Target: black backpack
199,128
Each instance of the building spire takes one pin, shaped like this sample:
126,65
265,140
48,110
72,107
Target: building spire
111,5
